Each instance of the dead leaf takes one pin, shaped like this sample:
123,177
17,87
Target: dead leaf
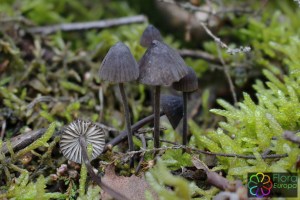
132,187
212,177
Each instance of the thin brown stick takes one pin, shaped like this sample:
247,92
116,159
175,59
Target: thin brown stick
3,127
213,178
289,135
226,72
199,54
80,26
23,140
189,149
143,140
123,135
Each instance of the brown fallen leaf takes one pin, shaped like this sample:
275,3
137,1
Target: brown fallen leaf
132,187
212,177
231,190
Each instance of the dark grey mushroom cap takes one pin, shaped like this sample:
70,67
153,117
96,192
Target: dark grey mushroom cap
70,140
161,65
188,83
150,33
172,106
119,65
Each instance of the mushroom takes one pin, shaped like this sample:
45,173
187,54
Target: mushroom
173,109
160,66
150,33
119,66
73,144
70,140
187,84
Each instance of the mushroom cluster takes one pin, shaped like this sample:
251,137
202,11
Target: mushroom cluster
160,66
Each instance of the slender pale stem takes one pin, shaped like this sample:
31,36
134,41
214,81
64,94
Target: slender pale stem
93,175
184,126
156,115
127,118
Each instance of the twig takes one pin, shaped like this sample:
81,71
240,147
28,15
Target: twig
289,135
199,54
107,128
44,99
142,137
213,178
216,39
38,100
149,130
188,149
192,8
16,19
23,140
80,26
226,72
3,127
123,135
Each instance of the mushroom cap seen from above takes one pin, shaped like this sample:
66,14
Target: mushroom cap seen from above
188,83
70,140
150,33
172,106
161,65
119,65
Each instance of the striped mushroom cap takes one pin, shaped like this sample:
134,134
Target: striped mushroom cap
70,144
161,65
188,83
150,33
172,106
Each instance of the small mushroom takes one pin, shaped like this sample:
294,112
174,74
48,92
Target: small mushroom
173,109
160,66
119,66
73,144
187,84
70,140
150,33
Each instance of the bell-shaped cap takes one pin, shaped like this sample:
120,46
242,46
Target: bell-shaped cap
188,83
119,65
150,33
161,65
70,140
172,106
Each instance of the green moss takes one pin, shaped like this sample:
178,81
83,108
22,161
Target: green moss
42,141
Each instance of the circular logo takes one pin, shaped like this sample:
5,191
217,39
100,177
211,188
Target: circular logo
260,185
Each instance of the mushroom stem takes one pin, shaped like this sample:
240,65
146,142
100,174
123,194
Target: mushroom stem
94,176
156,115
127,117
184,126
123,134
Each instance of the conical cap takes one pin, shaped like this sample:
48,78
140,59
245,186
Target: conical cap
150,33
172,106
188,83
161,65
119,65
